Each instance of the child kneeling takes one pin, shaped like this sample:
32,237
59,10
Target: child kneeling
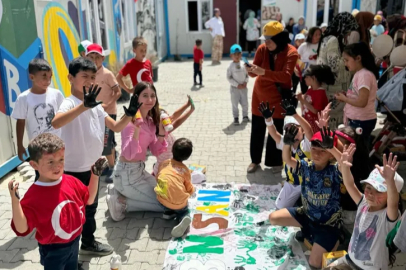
174,185
320,215
54,204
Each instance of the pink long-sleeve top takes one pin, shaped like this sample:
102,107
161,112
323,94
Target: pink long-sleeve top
132,149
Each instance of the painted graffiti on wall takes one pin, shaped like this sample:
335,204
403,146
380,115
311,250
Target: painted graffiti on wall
146,23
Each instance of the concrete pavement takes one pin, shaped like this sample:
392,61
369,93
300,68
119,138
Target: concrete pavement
142,238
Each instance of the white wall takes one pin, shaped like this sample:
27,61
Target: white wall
347,5
177,15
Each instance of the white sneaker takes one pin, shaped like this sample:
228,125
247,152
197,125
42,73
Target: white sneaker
116,209
277,169
111,190
180,229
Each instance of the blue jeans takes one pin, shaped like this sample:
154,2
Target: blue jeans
60,256
180,213
367,128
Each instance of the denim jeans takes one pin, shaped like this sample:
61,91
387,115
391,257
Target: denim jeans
60,256
367,128
180,213
137,185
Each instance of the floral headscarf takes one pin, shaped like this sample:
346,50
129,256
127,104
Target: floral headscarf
341,25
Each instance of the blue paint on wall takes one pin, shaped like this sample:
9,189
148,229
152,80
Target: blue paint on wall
305,9
168,44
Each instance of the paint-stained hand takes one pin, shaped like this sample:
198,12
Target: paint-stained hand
290,135
132,107
89,98
13,189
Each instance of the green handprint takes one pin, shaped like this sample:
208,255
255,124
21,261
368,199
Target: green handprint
243,231
246,244
240,259
251,207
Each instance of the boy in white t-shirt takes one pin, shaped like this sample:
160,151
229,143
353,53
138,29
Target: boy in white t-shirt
82,120
36,107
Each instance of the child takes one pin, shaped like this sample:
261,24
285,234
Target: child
377,29
238,78
139,68
174,185
300,149
109,94
83,47
315,99
58,230
359,110
299,40
133,188
198,56
377,212
320,215
83,122
35,108
177,119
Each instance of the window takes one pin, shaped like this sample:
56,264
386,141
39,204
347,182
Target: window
390,7
198,12
98,24
129,20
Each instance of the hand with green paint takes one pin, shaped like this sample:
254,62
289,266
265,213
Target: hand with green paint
240,259
191,103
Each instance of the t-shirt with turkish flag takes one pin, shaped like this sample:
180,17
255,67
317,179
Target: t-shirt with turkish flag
56,209
197,55
318,99
139,71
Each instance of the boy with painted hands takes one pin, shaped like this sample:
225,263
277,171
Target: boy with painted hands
299,142
54,204
82,120
109,94
320,215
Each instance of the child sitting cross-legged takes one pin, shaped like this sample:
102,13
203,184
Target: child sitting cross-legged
174,185
320,215
377,214
299,145
55,204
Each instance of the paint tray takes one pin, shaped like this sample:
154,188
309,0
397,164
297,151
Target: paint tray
199,168
332,256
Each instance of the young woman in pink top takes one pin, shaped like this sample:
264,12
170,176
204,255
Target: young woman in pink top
359,111
133,188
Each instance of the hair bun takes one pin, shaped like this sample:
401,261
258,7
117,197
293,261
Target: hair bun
358,130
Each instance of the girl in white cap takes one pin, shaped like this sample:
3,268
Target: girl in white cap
377,214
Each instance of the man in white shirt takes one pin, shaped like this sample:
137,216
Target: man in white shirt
216,26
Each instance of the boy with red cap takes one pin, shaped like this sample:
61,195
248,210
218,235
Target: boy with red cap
109,94
320,215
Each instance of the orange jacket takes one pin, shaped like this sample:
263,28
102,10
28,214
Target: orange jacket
265,87
174,185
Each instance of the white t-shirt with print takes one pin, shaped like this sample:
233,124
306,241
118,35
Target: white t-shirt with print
83,137
367,248
38,110
308,53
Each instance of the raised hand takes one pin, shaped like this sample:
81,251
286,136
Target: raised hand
347,156
13,188
265,111
288,107
389,168
132,107
99,166
328,138
89,98
324,117
190,102
290,136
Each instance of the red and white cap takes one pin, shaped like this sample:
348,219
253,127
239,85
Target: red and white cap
94,48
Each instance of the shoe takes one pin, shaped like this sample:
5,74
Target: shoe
169,214
97,249
116,209
252,168
180,229
196,83
111,190
277,169
109,176
236,122
299,236
246,119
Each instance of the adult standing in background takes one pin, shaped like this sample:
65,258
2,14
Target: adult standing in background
339,32
251,25
289,26
297,28
273,67
365,21
216,27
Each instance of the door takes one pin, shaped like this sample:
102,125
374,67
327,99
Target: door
228,10
160,28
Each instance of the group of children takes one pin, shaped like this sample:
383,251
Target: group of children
68,137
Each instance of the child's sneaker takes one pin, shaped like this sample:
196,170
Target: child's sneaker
169,214
236,122
180,229
116,209
111,190
246,119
